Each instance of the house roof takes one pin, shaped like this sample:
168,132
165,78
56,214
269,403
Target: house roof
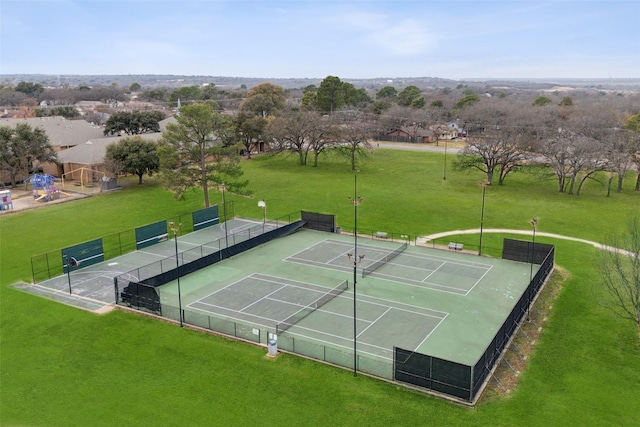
61,132
92,152
88,142
413,132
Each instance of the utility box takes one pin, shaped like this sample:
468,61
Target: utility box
273,347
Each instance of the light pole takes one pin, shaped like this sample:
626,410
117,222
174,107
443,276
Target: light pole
224,210
263,206
176,230
534,223
356,259
484,190
68,263
444,170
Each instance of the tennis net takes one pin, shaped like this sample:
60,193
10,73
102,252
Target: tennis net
376,265
295,318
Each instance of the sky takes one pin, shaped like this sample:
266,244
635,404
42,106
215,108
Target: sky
454,39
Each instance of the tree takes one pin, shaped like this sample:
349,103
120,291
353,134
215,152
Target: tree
419,102
408,95
309,101
541,101
185,94
353,138
264,100
135,87
32,90
387,93
20,147
566,102
330,95
497,141
133,155
466,101
67,111
321,134
289,133
195,152
249,129
619,269
133,122
354,96
632,124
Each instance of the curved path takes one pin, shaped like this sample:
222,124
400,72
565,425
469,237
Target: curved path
425,239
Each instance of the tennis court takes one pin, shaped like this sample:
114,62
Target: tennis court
297,285
416,269
95,282
298,308
447,304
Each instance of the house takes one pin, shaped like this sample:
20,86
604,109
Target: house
62,133
74,163
455,127
406,134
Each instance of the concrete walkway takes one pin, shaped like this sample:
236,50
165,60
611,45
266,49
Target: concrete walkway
425,239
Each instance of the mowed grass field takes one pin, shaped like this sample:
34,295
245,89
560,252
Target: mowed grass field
61,366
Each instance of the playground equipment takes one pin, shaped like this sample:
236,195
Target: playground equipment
6,203
88,177
44,188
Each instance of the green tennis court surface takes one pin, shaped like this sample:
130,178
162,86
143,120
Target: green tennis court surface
267,300
414,269
441,303
436,302
95,282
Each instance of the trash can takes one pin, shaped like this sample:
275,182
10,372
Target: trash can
273,347
338,230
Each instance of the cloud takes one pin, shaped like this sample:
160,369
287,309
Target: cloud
389,34
409,37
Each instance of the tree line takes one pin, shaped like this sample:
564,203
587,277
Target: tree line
573,137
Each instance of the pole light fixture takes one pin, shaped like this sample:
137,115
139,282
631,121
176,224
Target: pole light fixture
444,168
534,223
68,263
176,230
263,205
224,210
484,191
355,259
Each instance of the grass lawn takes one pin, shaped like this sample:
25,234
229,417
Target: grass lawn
60,366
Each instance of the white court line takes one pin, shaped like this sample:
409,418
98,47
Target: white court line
372,323
478,281
262,298
421,285
151,253
433,272
429,334
333,344
217,315
370,300
278,280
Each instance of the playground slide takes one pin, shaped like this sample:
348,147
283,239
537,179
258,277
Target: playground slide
42,196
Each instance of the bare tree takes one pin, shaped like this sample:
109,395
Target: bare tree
321,135
289,133
355,132
498,140
619,270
